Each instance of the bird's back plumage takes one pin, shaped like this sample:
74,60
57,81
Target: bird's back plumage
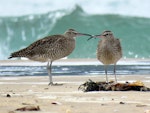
49,48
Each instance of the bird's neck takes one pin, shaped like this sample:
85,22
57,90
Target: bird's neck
108,39
70,37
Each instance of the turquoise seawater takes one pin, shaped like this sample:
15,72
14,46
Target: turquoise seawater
18,31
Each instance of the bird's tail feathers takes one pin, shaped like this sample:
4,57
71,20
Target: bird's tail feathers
20,53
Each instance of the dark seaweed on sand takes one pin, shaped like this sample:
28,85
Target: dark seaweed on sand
111,86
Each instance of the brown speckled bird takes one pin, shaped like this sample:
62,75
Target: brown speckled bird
109,50
50,48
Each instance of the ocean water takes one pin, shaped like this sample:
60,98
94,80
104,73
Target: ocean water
81,70
69,68
23,22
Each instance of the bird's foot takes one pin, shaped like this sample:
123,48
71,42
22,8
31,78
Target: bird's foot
56,84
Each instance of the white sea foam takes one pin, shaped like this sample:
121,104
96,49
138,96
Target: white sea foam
123,7
75,62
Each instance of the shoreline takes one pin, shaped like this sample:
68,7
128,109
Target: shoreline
128,61
34,91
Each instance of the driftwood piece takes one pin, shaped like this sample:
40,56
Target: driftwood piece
111,86
29,108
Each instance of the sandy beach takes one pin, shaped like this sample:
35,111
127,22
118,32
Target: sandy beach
34,91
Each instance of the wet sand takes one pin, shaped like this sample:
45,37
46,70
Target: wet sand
34,91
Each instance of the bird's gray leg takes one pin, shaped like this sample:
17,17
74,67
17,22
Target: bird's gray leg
115,72
49,69
106,73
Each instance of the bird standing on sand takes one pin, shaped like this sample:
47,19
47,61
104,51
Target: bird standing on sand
109,50
50,48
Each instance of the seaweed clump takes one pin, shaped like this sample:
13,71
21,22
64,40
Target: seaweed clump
112,86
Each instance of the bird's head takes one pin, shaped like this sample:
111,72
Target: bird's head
105,34
71,33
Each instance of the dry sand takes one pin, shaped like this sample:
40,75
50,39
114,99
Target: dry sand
25,91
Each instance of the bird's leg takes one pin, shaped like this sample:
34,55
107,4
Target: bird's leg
106,73
49,69
115,72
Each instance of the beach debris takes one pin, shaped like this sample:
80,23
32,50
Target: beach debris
89,86
122,103
56,103
8,95
103,104
46,88
112,86
29,108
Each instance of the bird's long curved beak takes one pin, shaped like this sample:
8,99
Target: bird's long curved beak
83,34
93,36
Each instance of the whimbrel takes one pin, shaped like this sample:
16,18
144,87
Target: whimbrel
109,50
50,48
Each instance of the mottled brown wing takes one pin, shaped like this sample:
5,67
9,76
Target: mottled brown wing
118,45
39,47
42,45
